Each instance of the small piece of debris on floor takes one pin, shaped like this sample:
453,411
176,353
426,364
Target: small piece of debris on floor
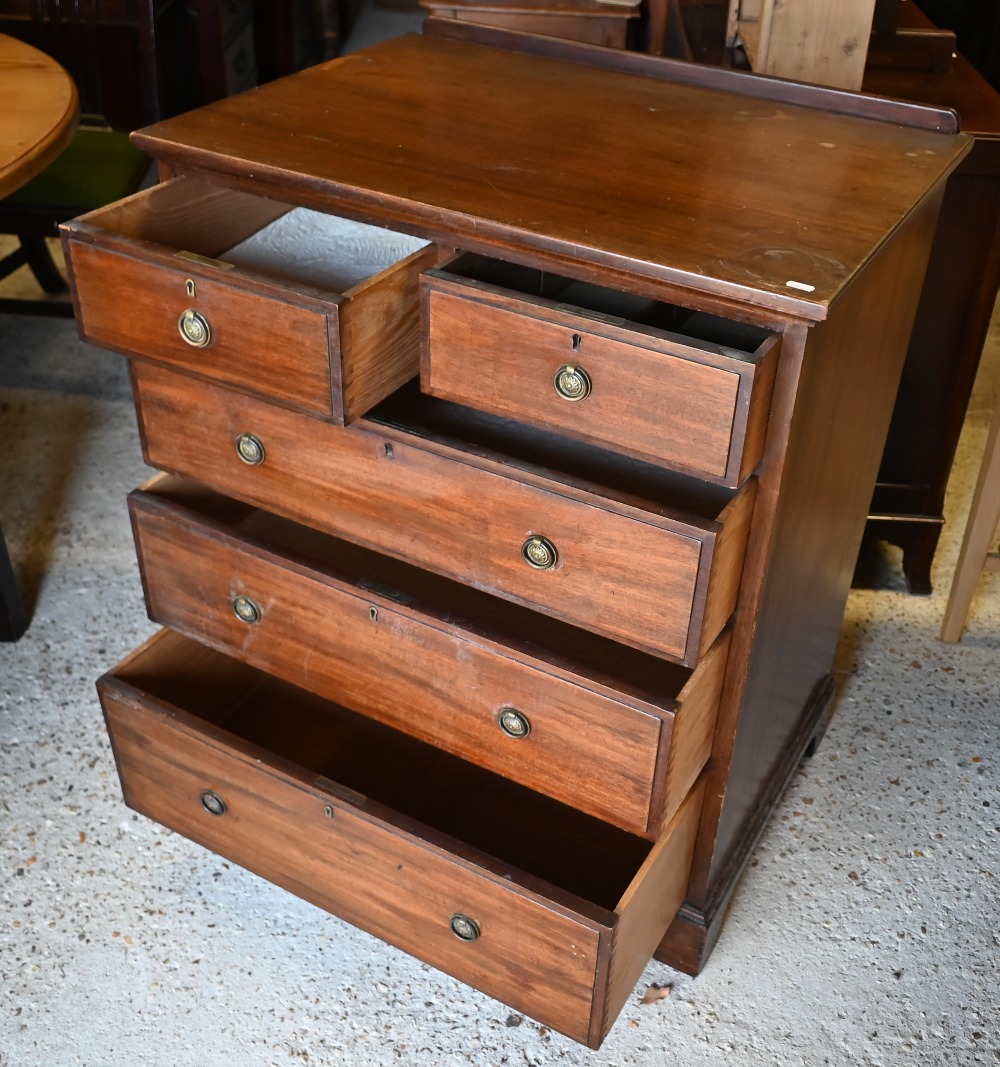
656,992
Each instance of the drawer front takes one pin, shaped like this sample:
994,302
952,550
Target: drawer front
257,342
312,311
617,572
421,673
658,400
532,954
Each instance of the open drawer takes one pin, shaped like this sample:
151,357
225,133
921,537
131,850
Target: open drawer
649,379
629,551
315,312
543,908
613,732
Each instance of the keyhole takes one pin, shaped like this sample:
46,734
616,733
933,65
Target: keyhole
388,450
577,340
189,285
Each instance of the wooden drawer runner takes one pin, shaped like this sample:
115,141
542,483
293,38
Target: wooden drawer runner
615,733
546,909
440,487
652,380
311,323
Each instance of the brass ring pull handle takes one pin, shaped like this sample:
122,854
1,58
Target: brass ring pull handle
572,382
194,328
464,928
540,553
246,610
250,449
514,723
213,803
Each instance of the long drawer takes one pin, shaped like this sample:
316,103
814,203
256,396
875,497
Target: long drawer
312,311
610,731
652,380
548,910
625,550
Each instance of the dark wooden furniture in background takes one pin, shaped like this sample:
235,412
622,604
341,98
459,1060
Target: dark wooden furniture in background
129,58
953,320
590,21
583,650
35,126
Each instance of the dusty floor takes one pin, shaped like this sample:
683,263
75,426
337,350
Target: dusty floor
865,932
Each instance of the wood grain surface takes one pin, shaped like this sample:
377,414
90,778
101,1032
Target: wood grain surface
625,571
543,948
413,664
445,139
38,115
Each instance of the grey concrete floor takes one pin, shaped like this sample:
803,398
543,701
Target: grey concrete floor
865,931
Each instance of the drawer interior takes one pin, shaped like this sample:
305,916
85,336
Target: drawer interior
524,447
582,653
266,237
521,835
741,340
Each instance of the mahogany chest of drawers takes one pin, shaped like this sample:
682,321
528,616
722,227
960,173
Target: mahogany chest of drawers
516,459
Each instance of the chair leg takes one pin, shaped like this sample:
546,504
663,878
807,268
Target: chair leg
42,265
984,517
13,621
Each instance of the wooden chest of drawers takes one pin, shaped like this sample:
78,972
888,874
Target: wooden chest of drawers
501,573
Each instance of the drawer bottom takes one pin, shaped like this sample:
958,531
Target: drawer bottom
551,911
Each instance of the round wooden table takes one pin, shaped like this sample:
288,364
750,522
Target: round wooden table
37,118
38,114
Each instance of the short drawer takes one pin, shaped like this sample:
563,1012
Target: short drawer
630,552
315,312
548,910
613,732
652,380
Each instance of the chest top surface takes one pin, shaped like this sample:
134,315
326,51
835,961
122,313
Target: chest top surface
495,149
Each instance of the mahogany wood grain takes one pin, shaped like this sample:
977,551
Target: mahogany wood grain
331,354
541,948
400,134
791,210
415,665
656,394
929,115
456,512
801,556
650,903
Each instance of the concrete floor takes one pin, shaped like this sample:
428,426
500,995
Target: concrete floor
865,931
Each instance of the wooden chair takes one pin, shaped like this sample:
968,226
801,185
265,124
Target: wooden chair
975,556
119,82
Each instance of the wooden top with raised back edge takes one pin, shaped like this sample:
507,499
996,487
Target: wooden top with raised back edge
557,162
